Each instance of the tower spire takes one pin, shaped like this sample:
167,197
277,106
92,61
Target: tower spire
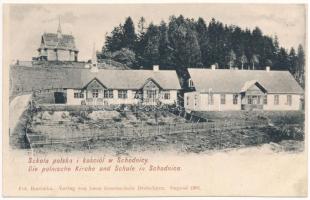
94,55
93,65
59,28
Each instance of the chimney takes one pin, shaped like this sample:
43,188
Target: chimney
213,67
268,68
155,68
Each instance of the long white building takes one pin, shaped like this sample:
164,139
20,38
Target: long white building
230,89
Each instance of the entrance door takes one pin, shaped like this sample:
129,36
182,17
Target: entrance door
151,96
60,98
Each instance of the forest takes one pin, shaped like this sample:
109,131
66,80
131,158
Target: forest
183,43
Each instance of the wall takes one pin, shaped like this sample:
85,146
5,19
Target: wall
189,101
217,106
115,100
63,55
74,101
282,102
51,54
173,97
202,102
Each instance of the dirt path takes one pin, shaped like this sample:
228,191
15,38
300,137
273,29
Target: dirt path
17,107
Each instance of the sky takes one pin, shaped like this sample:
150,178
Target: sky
90,23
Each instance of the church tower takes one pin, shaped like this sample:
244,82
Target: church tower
57,47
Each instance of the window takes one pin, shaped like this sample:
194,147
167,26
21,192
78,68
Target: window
210,99
250,100
151,94
122,94
258,99
166,95
187,100
138,94
276,99
223,99
195,100
289,100
235,99
190,83
95,93
265,100
78,95
108,94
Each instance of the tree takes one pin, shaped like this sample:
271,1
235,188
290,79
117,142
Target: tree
165,49
292,61
231,59
185,42
114,41
150,47
300,66
276,45
282,60
254,60
201,29
268,63
243,60
125,56
141,27
129,34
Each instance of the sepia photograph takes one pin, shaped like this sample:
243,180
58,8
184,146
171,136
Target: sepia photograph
106,92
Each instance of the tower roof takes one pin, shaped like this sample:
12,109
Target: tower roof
58,40
59,27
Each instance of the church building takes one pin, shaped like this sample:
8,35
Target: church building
57,47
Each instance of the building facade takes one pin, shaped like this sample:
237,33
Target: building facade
108,87
224,89
57,47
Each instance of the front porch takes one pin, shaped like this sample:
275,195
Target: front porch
253,96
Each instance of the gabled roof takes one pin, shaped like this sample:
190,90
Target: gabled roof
232,81
51,41
249,84
125,79
150,80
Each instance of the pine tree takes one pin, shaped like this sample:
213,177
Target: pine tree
165,49
187,43
114,42
151,46
300,66
292,61
130,36
201,29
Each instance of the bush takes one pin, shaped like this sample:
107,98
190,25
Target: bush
125,56
51,112
117,119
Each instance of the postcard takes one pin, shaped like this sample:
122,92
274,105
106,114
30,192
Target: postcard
132,100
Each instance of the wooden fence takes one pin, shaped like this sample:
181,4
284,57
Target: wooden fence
85,133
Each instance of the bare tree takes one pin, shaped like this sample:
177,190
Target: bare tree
254,60
243,60
231,58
